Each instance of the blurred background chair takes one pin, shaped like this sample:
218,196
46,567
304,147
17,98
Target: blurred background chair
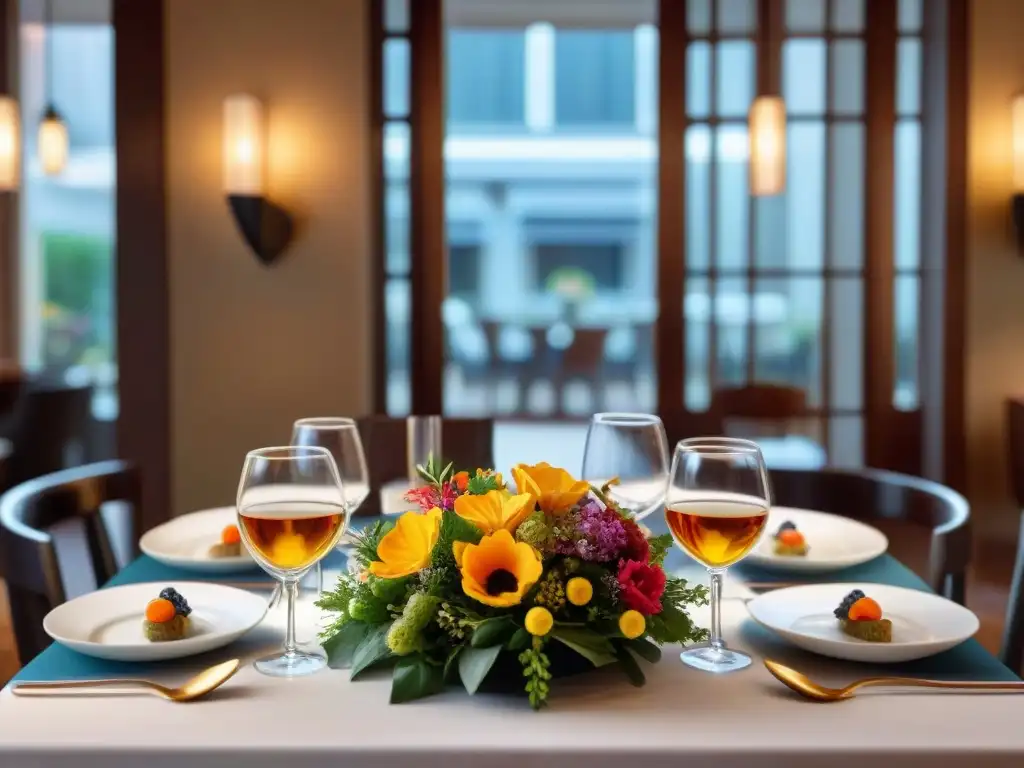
56,531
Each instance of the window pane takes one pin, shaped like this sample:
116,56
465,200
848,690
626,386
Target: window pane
698,193
732,199
847,15
846,442
698,331
737,16
485,77
771,247
731,318
805,194
846,201
396,77
908,77
698,16
909,15
805,15
397,304
787,315
396,15
803,76
846,342
735,78
698,79
848,77
907,224
594,77
905,396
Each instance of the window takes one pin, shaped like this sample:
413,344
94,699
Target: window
595,78
486,74
598,264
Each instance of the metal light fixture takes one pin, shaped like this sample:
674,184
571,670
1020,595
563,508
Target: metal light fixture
266,227
53,132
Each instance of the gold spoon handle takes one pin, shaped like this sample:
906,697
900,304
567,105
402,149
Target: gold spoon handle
911,682
19,688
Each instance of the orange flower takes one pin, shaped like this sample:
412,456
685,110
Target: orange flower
461,480
498,571
555,489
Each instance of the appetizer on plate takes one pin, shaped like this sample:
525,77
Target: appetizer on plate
861,617
166,617
230,543
789,542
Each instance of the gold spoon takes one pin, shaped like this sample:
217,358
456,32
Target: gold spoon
197,687
806,687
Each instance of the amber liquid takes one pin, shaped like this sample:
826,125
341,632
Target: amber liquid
716,533
291,537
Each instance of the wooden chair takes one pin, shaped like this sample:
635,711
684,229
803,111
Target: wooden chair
770,408
1012,650
583,360
876,495
29,561
469,443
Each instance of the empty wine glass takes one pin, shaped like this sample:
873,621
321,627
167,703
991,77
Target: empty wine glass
341,437
632,447
291,513
716,506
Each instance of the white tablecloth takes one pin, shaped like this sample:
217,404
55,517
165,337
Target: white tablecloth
682,717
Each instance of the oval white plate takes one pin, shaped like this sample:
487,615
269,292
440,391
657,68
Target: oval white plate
923,624
834,542
107,623
185,541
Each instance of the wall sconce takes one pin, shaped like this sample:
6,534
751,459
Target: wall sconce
10,144
767,130
266,227
1018,168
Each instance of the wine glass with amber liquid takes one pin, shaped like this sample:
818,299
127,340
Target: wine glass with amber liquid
291,514
716,507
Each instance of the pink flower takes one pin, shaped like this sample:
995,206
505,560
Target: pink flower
641,586
426,497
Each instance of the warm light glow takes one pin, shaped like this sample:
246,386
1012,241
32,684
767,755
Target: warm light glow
53,144
767,146
10,131
1018,143
243,145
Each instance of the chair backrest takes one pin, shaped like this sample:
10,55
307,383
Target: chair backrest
875,494
1012,649
29,562
48,420
469,443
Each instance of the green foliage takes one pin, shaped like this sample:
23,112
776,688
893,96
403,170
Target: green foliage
629,666
364,550
535,669
595,648
414,678
481,484
673,626
492,632
645,649
388,590
434,473
367,608
372,650
336,601
342,645
551,591
535,531
453,528
76,269
475,663
660,546
406,634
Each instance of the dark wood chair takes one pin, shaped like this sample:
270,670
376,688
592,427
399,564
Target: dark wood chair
880,497
469,443
769,408
1012,649
583,360
29,562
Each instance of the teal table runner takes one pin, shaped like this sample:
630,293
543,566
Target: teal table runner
967,661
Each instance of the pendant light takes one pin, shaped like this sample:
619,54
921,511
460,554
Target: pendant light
53,132
767,119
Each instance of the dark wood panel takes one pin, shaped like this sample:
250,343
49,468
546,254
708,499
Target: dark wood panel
377,190
143,302
9,250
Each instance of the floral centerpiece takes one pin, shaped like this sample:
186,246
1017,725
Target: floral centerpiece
496,589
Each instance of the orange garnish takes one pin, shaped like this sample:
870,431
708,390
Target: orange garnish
865,609
791,538
160,611
230,535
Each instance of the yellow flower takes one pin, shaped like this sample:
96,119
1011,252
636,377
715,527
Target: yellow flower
579,591
632,624
555,489
539,621
499,570
495,510
406,548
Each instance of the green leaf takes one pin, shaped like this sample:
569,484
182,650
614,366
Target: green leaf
341,646
455,528
480,484
449,665
475,663
645,649
373,649
677,623
492,632
628,665
519,640
593,647
660,545
414,678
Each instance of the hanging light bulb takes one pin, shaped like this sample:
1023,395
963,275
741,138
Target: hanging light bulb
767,130
10,155
53,142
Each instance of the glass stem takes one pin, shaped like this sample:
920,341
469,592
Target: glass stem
291,589
319,580
716,641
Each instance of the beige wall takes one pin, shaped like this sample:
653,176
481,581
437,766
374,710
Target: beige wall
995,322
253,348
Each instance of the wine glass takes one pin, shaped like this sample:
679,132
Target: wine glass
291,513
632,447
716,507
340,436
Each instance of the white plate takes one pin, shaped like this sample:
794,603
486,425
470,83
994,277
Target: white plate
185,541
923,624
834,542
107,623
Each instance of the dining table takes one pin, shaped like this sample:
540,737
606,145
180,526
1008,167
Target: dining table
681,717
